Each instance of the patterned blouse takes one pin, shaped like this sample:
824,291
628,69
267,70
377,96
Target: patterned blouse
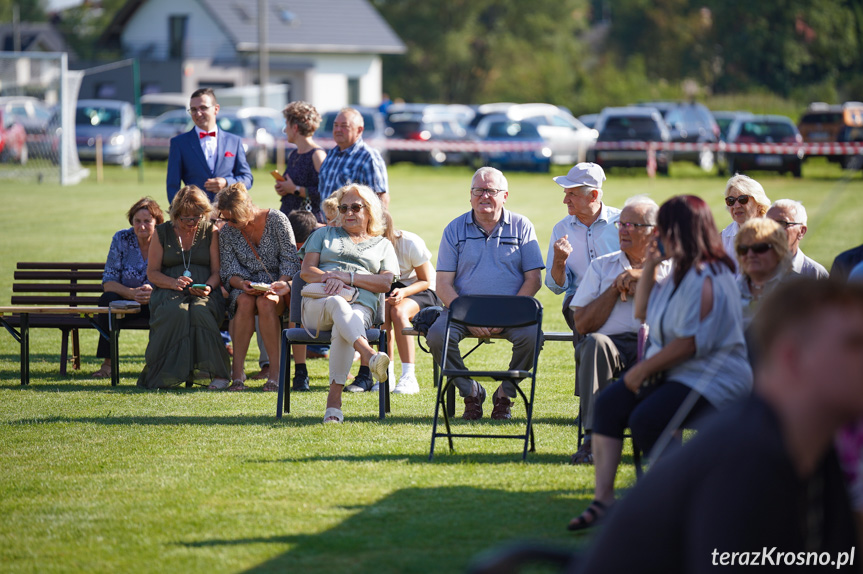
125,264
277,250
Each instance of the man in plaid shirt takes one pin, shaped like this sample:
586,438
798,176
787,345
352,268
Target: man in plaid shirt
352,161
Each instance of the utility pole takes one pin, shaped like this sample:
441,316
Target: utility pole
263,53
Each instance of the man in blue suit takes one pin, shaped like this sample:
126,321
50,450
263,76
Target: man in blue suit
206,156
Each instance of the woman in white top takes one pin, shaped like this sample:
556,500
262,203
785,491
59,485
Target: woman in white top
412,292
744,199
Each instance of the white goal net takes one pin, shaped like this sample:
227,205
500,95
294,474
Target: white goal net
38,94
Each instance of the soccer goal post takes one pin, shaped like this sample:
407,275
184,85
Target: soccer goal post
38,95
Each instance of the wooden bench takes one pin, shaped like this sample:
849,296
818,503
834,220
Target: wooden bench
51,293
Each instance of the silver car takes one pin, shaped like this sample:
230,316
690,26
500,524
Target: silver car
115,123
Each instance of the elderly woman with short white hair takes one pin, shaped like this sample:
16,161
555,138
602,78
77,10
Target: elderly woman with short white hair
353,255
744,199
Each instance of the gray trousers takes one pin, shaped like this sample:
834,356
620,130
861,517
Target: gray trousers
599,359
523,341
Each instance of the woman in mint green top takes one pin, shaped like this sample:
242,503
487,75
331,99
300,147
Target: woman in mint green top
354,254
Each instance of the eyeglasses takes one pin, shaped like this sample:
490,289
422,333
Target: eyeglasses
741,199
355,207
787,224
227,219
630,226
757,248
199,110
191,219
480,191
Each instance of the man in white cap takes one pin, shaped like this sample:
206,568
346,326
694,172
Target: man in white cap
587,232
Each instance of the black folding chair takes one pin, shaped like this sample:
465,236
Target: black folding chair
298,336
489,311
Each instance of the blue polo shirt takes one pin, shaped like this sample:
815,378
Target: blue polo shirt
493,263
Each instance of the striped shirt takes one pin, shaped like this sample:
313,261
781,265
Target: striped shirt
356,164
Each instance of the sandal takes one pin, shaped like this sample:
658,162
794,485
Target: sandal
596,510
103,373
218,384
584,454
237,385
333,415
271,386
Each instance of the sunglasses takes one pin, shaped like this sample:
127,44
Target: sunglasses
757,248
741,199
787,224
191,219
355,207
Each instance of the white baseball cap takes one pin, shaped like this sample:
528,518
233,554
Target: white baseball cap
582,174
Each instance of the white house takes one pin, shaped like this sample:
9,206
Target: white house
325,51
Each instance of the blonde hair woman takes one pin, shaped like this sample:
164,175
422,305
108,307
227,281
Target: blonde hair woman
354,254
764,260
256,247
744,199
186,305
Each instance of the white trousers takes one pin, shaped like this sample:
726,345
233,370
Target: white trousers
347,323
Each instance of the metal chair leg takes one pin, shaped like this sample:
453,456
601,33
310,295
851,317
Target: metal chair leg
283,350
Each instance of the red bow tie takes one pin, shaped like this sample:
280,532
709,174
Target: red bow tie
202,135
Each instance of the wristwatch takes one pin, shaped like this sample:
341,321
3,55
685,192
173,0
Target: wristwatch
297,190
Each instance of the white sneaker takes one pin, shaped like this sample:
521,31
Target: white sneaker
407,385
391,375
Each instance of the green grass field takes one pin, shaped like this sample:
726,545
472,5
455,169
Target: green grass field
101,479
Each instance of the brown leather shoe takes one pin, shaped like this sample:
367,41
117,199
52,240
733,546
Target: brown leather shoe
501,411
473,406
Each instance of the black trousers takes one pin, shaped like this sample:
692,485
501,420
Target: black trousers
646,413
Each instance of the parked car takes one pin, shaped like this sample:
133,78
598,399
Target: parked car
631,124
257,143
484,110
374,129
157,137
764,129
426,127
500,128
33,114
13,140
115,122
724,120
589,120
154,105
568,138
663,106
693,123
266,128
824,123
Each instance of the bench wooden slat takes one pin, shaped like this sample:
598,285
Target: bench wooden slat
56,287
55,300
58,275
59,265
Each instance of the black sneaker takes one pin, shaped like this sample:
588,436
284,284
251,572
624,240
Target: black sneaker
362,383
301,383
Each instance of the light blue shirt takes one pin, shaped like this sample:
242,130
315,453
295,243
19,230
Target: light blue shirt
493,263
719,370
588,243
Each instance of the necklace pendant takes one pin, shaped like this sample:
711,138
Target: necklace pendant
187,273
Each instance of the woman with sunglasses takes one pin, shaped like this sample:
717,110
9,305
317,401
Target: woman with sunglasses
744,199
695,350
764,260
259,258
353,255
186,306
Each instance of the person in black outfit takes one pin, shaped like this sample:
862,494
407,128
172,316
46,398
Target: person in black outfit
763,479
845,262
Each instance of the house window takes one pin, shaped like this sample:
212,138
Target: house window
176,35
353,91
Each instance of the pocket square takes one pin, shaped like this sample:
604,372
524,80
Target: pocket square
228,154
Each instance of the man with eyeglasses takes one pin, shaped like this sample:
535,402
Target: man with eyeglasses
602,311
352,161
206,156
791,215
487,251
587,232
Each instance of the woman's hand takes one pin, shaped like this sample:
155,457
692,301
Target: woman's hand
342,276
246,287
395,297
142,294
280,288
287,187
333,285
634,378
181,282
205,292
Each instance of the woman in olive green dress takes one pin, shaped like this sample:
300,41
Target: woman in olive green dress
185,318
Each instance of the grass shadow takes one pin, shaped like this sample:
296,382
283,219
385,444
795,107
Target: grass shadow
442,457
412,530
